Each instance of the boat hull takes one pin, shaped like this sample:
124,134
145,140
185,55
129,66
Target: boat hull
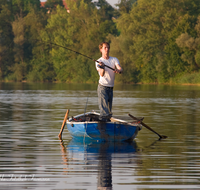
103,131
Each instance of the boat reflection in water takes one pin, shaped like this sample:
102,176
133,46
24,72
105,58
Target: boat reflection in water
101,156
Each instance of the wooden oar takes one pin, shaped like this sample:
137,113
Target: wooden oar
161,136
63,124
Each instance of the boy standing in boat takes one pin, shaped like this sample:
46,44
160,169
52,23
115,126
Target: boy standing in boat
106,80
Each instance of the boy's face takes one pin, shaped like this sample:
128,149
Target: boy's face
105,49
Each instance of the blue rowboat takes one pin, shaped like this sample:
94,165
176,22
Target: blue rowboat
88,126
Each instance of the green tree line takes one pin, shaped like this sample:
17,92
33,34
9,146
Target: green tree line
156,41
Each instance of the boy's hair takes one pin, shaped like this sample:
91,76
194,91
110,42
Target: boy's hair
101,45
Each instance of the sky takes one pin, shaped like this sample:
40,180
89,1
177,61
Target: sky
111,2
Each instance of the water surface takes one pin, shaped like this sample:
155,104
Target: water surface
32,156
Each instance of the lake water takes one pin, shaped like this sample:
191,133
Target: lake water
32,156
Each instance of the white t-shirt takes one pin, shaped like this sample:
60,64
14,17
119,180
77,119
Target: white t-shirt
109,76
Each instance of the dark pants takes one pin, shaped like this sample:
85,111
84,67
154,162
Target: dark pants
105,98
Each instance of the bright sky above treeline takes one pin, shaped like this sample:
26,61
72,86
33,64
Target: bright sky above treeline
111,2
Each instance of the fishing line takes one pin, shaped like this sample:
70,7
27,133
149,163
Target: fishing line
86,105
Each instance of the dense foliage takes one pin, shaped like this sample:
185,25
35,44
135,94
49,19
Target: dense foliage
156,41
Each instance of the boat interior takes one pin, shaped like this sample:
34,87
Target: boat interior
90,116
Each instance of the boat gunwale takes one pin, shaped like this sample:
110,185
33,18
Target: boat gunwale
113,120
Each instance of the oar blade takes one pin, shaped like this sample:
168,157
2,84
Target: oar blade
145,125
63,125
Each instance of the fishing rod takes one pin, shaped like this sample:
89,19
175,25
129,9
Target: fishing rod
82,55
